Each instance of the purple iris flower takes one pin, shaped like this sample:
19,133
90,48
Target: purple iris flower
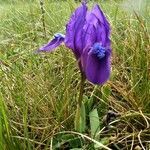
87,35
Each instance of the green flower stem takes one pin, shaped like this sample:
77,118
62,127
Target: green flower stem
79,117
81,90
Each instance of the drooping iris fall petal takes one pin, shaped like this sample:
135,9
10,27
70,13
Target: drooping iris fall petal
98,64
50,46
98,71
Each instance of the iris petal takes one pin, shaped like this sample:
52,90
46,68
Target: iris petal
104,27
98,70
74,30
50,46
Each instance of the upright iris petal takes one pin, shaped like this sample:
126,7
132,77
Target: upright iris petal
104,26
74,38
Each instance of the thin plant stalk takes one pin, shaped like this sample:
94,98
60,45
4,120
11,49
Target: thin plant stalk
43,17
79,120
83,78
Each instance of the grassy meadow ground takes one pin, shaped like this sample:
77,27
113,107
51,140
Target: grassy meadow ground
38,92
